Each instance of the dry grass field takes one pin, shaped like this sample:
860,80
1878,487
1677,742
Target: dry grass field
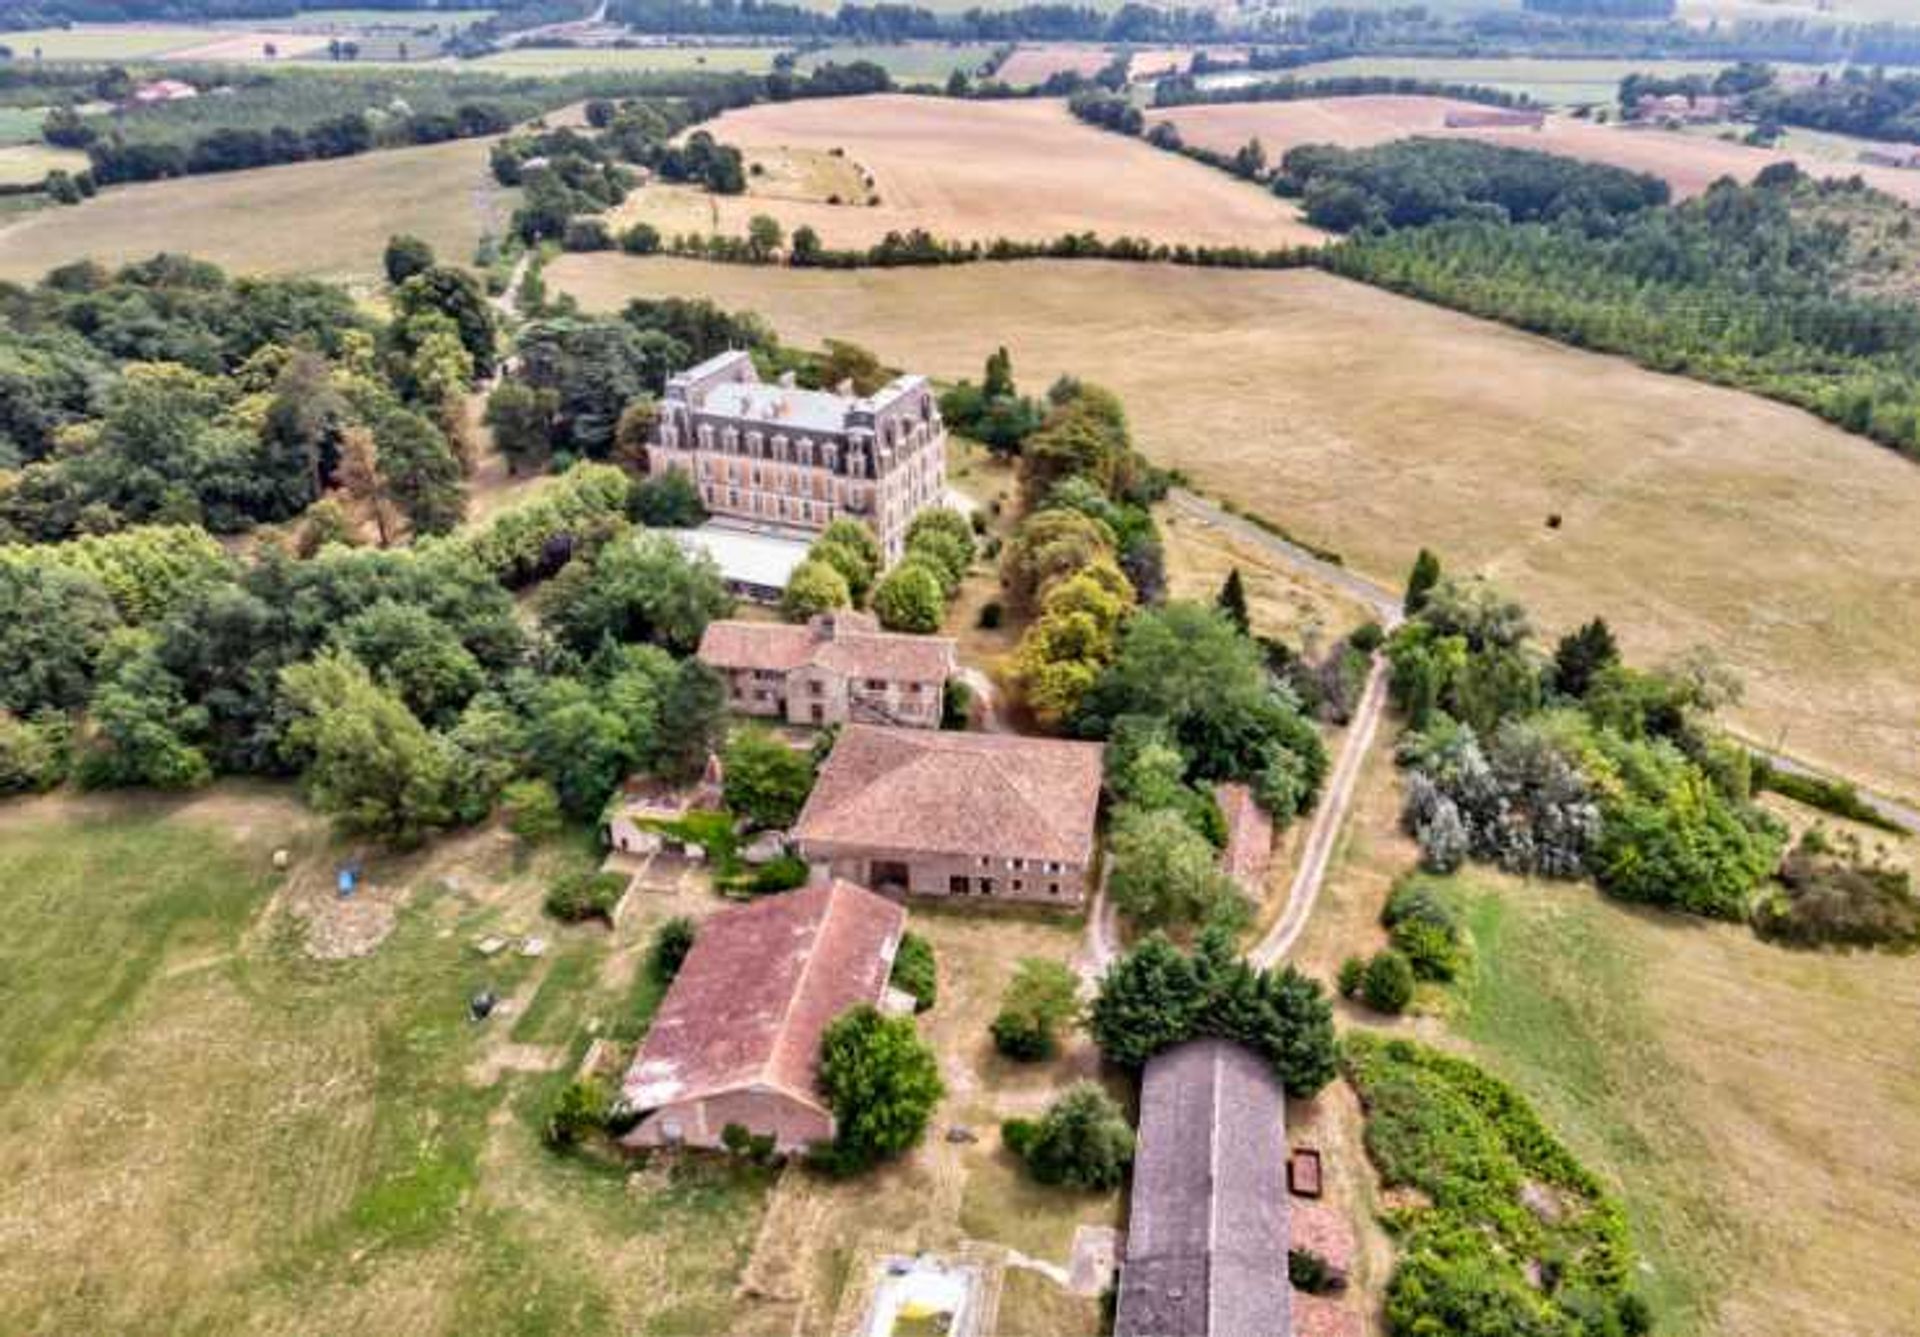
1030,65
327,219
1557,82
1350,122
981,170
28,164
104,41
252,45
1376,425
564,60
1756,1107
1687,161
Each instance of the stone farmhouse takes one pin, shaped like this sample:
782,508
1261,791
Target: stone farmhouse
920,812
793,461
737,1038
1207,1231
839,668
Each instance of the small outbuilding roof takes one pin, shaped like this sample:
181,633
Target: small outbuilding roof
760,986
1207,1235
921,791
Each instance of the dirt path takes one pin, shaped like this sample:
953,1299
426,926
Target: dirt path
1323,837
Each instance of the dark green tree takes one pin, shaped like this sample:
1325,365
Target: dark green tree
882,1083
1420,582
1233,601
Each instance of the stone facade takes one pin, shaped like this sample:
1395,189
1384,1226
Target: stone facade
795,1123
794,460
965,816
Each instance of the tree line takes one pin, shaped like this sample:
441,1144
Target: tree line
898,22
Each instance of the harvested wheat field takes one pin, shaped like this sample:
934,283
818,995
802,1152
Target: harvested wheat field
253,46
327,219
1030,65
1349,122
980,170
1374,424
1688,163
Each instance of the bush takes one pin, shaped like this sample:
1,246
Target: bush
1309,1272
671,943
956,705
1388,983
579,1109
580,896
914,971
1830,897
532,810
33,753
1041,997
1367,637
814,587
1424,929
992,613
1083,1141
1353,971
1834,796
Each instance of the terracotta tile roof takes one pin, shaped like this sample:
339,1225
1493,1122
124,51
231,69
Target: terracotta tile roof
759,987
918,791
850,644
1207,1227
1249,851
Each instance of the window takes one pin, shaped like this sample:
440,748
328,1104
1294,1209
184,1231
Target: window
957,885
1053,888
1018,885
986,886
876,685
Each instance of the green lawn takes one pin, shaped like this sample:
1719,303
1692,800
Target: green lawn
1557,82
205,1129
21,125
28,164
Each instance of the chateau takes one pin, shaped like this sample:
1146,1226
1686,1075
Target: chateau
789,460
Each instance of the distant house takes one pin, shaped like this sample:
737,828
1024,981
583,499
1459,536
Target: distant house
1249,850
162,90
1495,118
993,816
1207,1234
1700,109
737,1038
839,667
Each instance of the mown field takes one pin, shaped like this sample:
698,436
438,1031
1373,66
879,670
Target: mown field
107,41
327,219
908,62
1554,81
1375,425
206,1129
978,171
561,60
1756,1108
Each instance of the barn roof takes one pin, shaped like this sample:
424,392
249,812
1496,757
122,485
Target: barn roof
919,791
762,983
848,643
1207,1235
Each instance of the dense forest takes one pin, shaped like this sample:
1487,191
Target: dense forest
1869,103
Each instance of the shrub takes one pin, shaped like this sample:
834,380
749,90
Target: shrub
1367,637
579,896
815,586
1388,983
914,971
579,1109
1835,897
1083,1141
1310,1272
671,943
992,613
956,705
1041,997
33,753
1353,971
532,810
1424,929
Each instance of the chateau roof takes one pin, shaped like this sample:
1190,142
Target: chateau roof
921,791
762,983
779,405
